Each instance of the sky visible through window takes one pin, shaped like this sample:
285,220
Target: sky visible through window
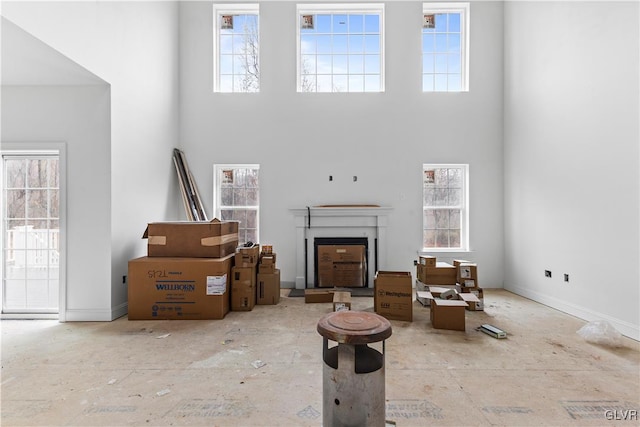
239,67
442,52
340,52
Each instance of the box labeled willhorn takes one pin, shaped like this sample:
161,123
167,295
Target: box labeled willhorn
179,288
192,239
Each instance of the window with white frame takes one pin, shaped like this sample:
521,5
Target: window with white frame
236,46
340,47
445,47
237,198
445,206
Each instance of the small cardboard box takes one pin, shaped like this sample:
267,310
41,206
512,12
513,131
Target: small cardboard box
247,257
448,314
318,295
393,295
268,288
427,260
457,262
243,288
341,300
441,274
467,275
192,239
179,288
475,305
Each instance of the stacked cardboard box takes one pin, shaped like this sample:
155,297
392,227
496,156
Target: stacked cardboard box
186,273
243,278
462,275
268,281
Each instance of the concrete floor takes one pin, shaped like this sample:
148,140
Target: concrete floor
161,373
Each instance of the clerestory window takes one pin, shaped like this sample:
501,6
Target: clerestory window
340,47
236,46
445,47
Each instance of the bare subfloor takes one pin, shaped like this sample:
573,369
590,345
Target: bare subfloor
161,373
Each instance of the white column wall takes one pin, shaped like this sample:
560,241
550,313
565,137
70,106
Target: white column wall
572,157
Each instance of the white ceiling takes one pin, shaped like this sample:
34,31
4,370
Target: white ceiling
28,61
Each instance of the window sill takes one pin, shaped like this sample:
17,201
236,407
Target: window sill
444,251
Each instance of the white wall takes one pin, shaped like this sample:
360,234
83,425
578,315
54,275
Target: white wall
299,139
77,116
134,47
572,157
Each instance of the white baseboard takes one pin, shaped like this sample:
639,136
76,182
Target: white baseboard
96,315
625,328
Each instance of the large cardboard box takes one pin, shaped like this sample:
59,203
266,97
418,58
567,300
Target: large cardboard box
442,274
393,295
192,239
268,288
341,265
179,288
448,314
243,288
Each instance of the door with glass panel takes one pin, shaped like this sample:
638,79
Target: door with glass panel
30,233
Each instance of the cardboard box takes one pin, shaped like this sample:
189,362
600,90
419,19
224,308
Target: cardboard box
393,295
441,274
247,257
424,297
448,314
457,262
269,258
427,260
341,265
179,288
341,301
467,275
268,288
192,239
475,306
318,295
243,288
473,302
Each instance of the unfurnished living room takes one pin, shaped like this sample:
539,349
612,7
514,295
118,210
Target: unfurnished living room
320,213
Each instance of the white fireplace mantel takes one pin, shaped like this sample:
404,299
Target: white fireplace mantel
339,221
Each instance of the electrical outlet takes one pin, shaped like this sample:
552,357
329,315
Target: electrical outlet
415,262
124,279
566,277
547,273
330,177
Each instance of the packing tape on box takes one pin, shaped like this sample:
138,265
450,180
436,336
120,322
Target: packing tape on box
219,240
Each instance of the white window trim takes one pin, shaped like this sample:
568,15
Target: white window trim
230,9
464,215
464,9
217,204
311,9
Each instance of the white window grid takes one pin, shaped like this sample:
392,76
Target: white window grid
236,51
445,207
344,52
445,47
236,197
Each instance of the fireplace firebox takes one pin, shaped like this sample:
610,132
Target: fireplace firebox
337,264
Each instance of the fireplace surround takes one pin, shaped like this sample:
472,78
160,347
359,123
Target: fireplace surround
338,221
